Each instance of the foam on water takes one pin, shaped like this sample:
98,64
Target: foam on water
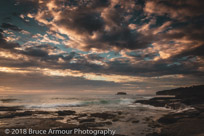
55,105
97,101
148,106
82,103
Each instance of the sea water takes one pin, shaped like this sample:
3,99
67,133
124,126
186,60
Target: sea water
94,104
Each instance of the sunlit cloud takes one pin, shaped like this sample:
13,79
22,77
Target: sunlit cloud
130,45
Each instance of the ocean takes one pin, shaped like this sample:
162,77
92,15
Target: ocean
133,121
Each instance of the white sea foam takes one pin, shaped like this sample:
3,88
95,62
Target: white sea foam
56,105
139,105
123,101
126,101
184,109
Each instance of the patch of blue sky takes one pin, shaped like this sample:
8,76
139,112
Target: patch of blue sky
110,55
147,59
173,64
183,58
134,53
193,59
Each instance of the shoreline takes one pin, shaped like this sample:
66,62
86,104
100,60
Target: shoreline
189,122
69,120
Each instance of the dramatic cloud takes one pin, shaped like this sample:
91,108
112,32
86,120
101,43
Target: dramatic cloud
177,9
103,25
6,45
101,45
11,27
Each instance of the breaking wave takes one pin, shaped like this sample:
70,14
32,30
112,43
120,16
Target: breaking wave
82,103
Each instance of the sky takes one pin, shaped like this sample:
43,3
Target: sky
100,46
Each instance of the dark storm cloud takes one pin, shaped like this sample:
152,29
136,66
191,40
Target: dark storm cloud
121,38
165,38
95,57
190,14
107,27
98,3
26,6
195,52
36,52
38,57
10,27
151,68
177,9
192,31
82,21
192,52
41,51
104,21
6,45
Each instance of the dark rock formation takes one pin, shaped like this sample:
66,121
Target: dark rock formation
188,95
15,108
103,115
121,93
66,112
197,91
168,102
183,96
14,114
186,123
87,120
8,100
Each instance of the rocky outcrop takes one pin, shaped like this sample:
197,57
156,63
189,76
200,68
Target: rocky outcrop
66,112
183,96
121,93
189,122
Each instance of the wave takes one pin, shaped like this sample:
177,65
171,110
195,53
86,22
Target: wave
55,105
181,109
83,103
139,105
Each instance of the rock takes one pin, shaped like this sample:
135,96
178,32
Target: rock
96,124
16,114
66,112
153,134
189,95
115,119
169,102
87,120
119,113
169,119
135,121
185,123
8,100
174,117
103,115
14,108
57,118
184,91
82,115
41,112
121,93
175,105
153,102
